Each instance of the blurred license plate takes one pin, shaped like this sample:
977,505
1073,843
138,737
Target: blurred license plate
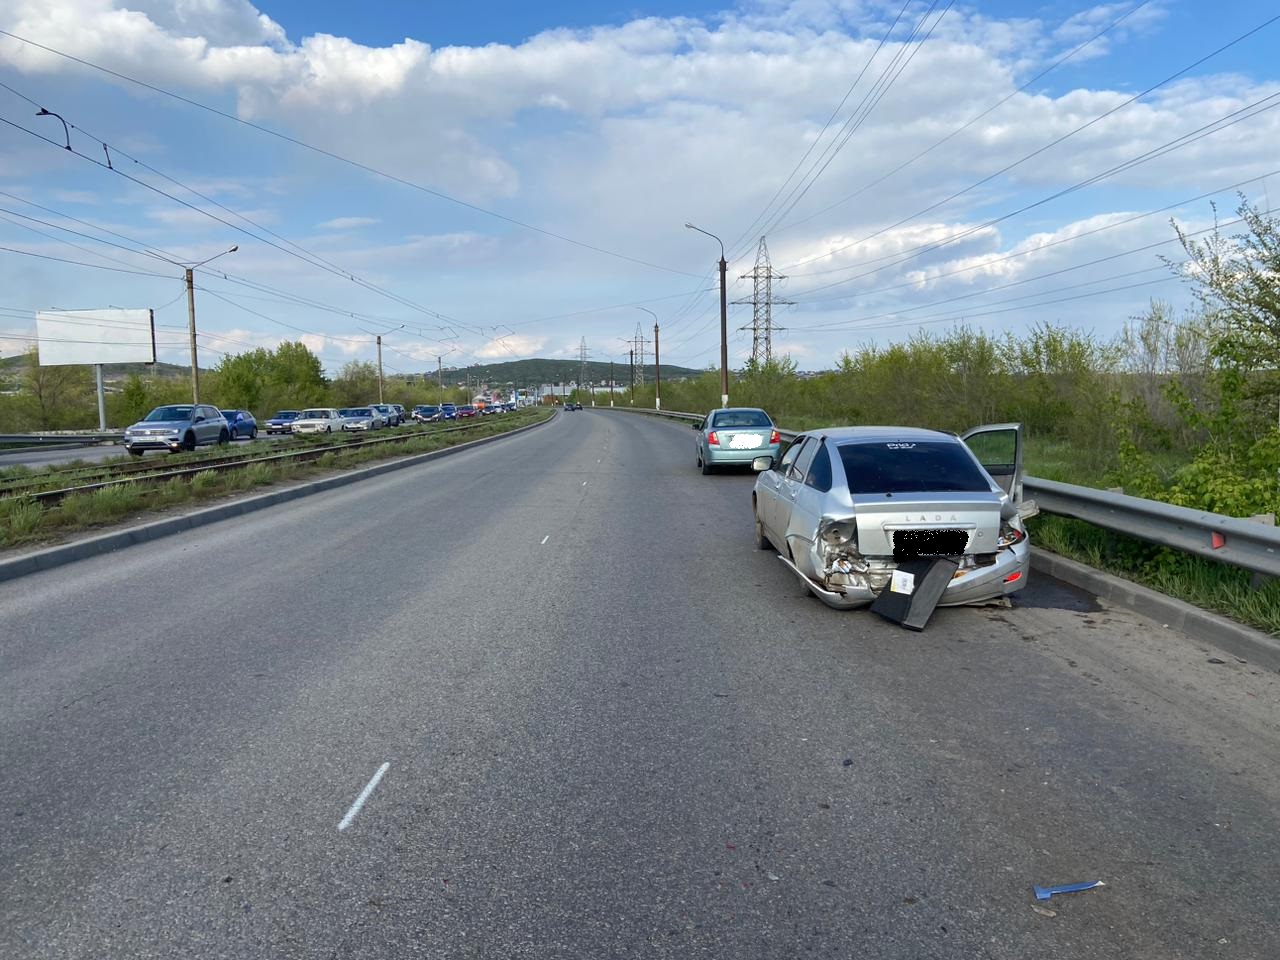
908,544
745,441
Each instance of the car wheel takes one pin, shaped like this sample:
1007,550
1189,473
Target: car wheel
234,434
706,467
762,540
135,453
253,434
224,438
189,442
328,429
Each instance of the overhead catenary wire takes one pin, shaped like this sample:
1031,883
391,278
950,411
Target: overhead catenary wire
346,160
1052,143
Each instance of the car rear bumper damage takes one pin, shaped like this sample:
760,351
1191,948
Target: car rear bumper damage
973,583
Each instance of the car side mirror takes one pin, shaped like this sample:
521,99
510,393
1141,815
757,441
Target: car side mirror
761,464
697,426
198,419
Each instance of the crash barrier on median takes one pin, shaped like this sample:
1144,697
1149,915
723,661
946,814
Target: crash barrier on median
1241,543
58,439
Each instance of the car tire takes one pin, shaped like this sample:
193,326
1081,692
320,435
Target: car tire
706,467
224,438
234,434
189,442
253,434
134,453
328,429
762,539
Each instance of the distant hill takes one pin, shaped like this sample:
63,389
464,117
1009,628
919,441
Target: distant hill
538,371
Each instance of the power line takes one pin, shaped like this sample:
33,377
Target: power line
335,156
969,123
1216,126
1052,143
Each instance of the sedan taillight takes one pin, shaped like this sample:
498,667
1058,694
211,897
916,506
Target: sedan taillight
775,437
713,439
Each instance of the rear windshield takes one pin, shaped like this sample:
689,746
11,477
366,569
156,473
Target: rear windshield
741,418
910,467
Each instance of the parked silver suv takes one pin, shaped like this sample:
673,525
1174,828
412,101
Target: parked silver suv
178,426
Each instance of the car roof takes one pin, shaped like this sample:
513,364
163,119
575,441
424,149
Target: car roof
856,434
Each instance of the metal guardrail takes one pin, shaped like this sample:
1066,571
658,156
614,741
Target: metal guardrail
59,439
1241,543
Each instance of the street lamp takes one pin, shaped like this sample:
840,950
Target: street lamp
657,363
191,319
724,320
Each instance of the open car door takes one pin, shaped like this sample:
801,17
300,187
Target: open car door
998,447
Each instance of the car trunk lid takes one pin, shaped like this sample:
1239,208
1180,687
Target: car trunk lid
906,525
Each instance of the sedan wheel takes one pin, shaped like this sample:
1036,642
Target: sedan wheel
224,438
234,435
253,434
762,541
706,467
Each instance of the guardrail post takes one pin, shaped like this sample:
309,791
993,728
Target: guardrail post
1260,580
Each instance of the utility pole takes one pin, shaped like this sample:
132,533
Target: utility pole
191,330
657,372
612,383
582,366
724,319
633,377
380,368
762,301
440,374
191,311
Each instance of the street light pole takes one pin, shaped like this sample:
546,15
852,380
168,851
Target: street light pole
613,384
191,320
379,367
657,364
724,319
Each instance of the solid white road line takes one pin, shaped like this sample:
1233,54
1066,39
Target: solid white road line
364,795
545,539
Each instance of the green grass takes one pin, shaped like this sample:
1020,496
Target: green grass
1204,583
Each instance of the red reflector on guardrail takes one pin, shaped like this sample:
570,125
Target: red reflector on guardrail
1219,541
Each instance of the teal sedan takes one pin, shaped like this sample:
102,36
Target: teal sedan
734,436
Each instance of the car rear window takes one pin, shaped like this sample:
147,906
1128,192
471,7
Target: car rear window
741,418
910,466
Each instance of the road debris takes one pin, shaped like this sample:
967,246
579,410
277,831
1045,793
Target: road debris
1216,660
1044,911
1044,893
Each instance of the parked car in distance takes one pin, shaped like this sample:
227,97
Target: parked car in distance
174,427
448,411
466,410
361,418
281,421
318,420
426,413
735,436
387,412
240,423
845,506
401,416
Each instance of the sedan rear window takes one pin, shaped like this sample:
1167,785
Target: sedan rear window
741,418
910,466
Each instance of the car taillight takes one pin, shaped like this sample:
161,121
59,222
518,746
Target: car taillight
713,439
775,437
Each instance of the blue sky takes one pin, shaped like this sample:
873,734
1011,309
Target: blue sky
611,126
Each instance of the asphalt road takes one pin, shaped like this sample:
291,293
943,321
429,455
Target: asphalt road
606,727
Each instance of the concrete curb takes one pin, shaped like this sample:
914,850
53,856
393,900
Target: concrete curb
1235,638
63,554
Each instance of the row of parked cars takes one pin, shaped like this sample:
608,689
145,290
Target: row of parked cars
433,413
373,416
185,426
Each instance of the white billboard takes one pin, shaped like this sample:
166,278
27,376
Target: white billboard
111,335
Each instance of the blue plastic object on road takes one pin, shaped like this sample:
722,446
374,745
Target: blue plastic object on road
1044,893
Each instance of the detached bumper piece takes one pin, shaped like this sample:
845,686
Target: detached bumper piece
914,590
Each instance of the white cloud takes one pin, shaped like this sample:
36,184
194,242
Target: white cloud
347,223
510,347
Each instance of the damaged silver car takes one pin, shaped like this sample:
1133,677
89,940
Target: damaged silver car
845,506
